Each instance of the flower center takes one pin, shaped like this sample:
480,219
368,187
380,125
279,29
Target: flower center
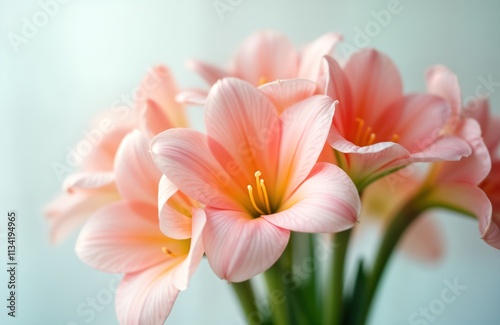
168,252
364,135
260,201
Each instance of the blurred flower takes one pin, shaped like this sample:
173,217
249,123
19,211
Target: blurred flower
125,237
443,82
266,56
248,141
90,188
382,200
94,185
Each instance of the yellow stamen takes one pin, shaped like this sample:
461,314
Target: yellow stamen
257,184
250,193
266,198
260,201
360,124
372,139
395,137
366,136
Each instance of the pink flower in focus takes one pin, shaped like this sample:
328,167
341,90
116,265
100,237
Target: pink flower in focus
377,129
257,173
264,57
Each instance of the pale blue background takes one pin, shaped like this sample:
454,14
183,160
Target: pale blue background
93,51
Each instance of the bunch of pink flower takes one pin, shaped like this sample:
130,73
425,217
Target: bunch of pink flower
295,143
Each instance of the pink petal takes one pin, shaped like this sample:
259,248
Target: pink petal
490,125
154,120
186,269
472,169
491,234
137,176
422,118
88,181
446,148
369,162
375,83
124,237
285,93
210,73
305,130
327,201
104,137
264,57
161,88
245,123
312,55
146,297
338,88
491,186
183,155
442,82
424,240
471,200
174,222
192,97
239,247
69,211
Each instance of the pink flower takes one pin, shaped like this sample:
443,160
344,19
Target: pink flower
257,173
378,129
89,189
93,186
455,184
459,185
490,126
125,237
264,57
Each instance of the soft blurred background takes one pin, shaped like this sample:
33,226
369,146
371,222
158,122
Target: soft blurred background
89,53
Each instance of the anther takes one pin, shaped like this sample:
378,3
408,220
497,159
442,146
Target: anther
250,193
167,251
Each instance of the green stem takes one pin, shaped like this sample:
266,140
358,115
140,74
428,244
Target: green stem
312,287
277,295
393,234
246,296
334,295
